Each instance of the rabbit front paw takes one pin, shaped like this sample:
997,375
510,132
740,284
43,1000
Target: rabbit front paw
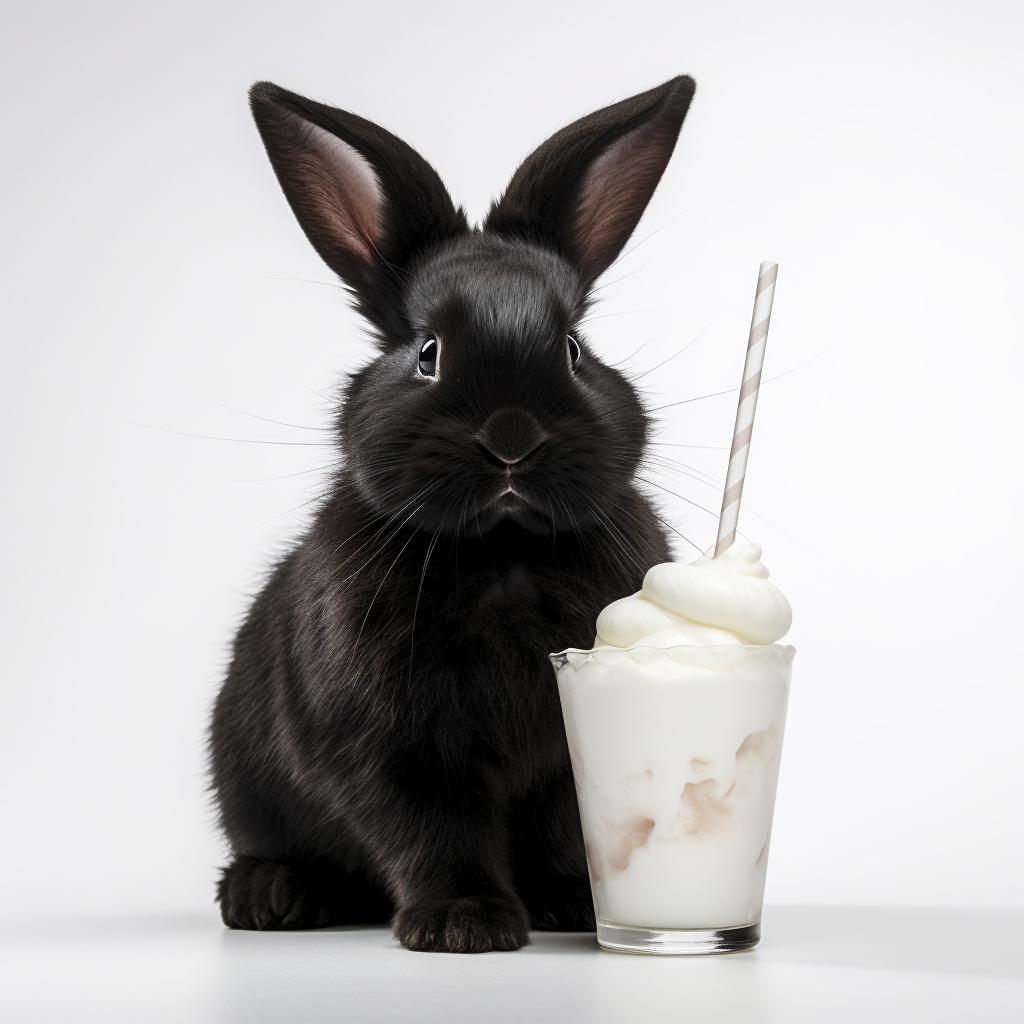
468,924
266,895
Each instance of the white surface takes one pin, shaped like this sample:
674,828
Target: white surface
871,147
815,964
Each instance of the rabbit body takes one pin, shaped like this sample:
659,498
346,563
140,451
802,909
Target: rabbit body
388,744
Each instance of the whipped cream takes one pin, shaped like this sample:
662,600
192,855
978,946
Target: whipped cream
712,601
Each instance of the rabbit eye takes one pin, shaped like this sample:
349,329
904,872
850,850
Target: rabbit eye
574,350
428,357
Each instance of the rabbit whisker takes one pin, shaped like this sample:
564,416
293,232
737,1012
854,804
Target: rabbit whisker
687,346
645,344
373,600
668,223
678,533
608,284
299,280
241,412
706,447
682,497
287,476
769,380
416,606
239,440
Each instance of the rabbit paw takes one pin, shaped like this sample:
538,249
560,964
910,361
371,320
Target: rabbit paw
265,895
470,924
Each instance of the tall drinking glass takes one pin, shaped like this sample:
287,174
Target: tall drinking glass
675,752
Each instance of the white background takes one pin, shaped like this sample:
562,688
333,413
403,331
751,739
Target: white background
151,268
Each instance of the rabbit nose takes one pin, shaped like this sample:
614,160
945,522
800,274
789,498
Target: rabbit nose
509,435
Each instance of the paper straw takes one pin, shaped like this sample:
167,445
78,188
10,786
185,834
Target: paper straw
747,406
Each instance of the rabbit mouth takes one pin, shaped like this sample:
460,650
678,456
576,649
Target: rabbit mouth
510,490
509,501
512,504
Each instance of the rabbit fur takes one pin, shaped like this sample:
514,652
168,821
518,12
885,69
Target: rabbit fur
388,743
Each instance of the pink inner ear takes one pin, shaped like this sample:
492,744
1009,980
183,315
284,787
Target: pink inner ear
342,192
616,190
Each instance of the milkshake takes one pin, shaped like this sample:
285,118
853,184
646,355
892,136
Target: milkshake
675,721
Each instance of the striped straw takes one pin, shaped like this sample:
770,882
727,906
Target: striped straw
747,406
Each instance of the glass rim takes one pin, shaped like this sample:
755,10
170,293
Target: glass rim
561,658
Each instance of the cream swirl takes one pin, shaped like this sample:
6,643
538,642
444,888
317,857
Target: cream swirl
724,600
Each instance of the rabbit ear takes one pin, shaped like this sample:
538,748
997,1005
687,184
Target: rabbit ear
586,187
367,201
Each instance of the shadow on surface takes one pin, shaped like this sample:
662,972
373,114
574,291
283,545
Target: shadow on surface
978,942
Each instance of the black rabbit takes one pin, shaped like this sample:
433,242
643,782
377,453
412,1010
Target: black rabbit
388,743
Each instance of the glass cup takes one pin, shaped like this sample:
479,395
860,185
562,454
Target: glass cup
675,752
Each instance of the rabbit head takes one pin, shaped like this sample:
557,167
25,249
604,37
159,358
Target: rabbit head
484,403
